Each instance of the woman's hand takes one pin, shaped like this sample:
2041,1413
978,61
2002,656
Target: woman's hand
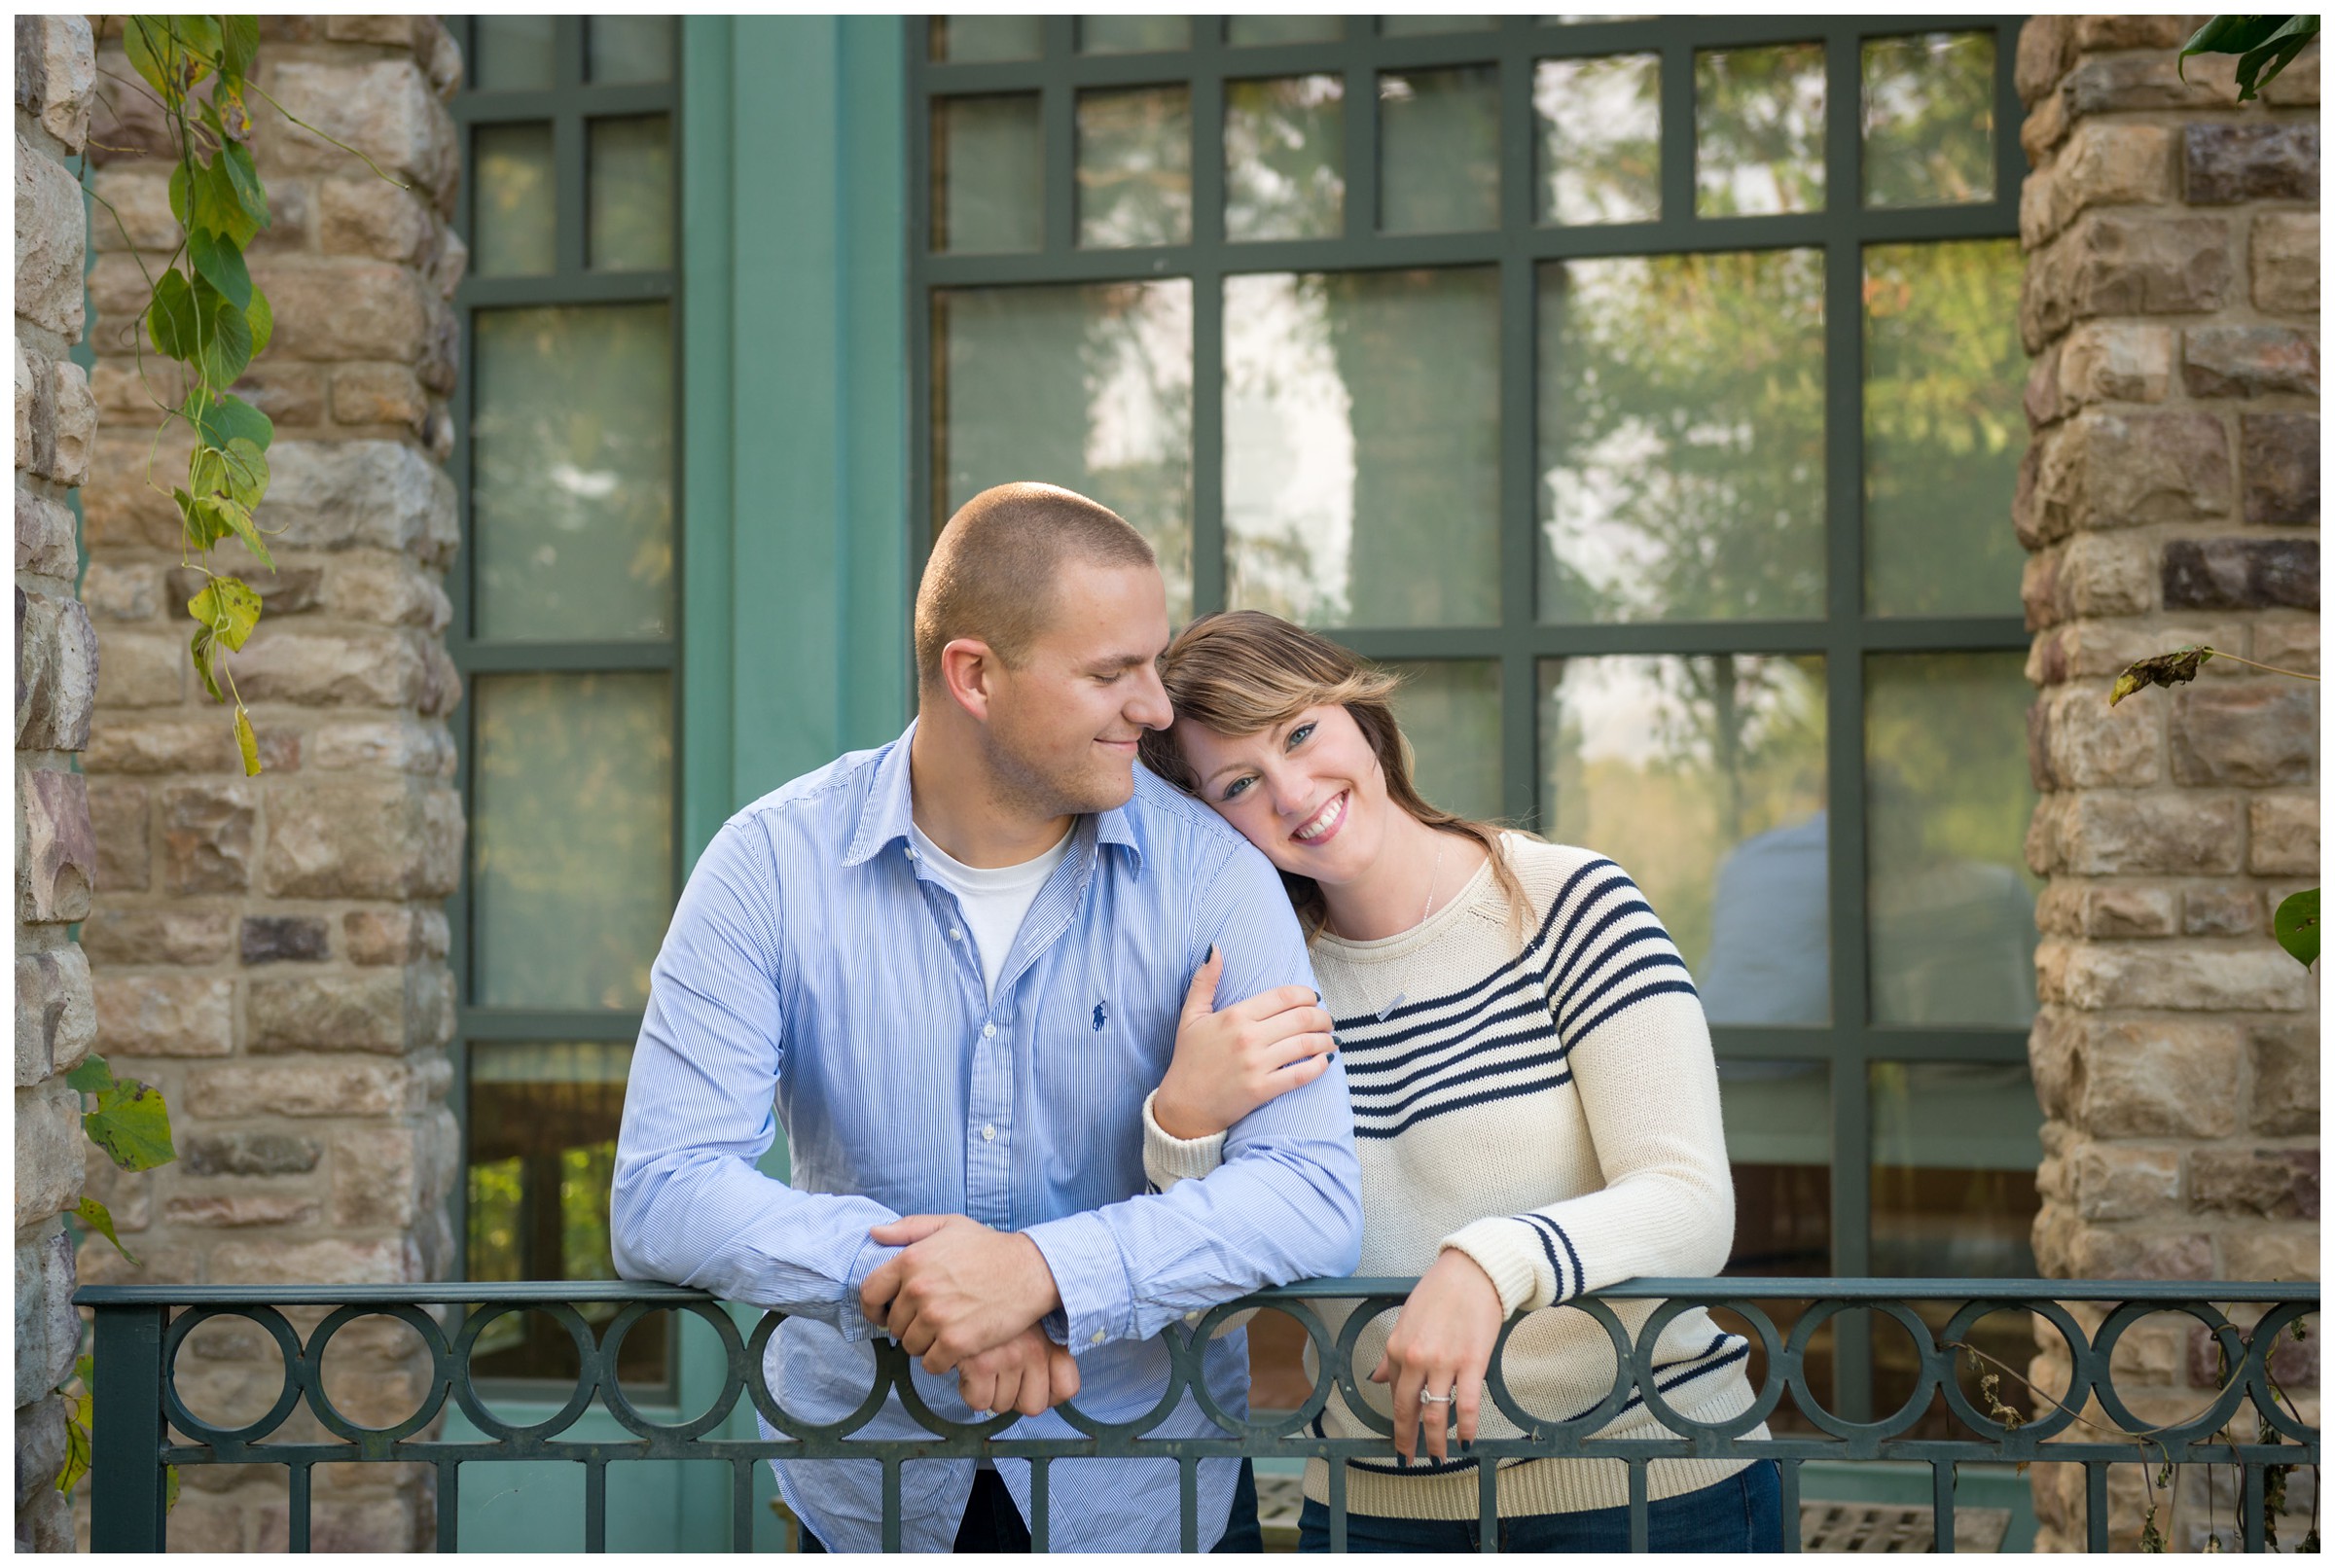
1441,1344
1229,1063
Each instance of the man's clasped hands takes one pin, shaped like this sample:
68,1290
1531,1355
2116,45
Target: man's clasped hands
967,1298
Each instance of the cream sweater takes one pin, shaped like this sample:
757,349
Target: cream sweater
1553,1114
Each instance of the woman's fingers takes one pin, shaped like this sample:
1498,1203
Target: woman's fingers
1273,1004
1468,1395
1201,998
1435,1415
1299,1048
1408,1380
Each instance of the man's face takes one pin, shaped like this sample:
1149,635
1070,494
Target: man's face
1063,728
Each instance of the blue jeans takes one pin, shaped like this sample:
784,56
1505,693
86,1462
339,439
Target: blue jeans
1741,1513
993,1521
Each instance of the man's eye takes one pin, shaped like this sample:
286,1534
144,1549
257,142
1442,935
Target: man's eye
1297,736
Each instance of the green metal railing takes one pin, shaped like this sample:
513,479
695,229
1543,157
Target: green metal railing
140,1330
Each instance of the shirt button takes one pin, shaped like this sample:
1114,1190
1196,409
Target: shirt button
988,1134
954,935
1097,1339
989,1031
912,851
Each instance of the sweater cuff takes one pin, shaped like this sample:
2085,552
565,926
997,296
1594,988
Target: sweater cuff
1168,1160
1510,1254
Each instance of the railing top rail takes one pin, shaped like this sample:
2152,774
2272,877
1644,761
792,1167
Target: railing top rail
1755,1288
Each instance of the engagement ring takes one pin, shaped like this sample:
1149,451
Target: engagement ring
1435,1399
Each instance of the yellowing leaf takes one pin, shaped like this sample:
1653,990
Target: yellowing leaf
229,608
133,1125
248,743
99,1218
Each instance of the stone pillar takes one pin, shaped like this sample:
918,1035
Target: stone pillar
271,951
2170,497
56,676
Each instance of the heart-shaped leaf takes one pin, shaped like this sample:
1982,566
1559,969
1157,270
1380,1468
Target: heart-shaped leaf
221,264
2296,926
229,608
94,1214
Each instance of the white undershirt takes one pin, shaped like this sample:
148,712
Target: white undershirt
995,899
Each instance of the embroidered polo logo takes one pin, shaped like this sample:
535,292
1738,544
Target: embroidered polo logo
1102,1016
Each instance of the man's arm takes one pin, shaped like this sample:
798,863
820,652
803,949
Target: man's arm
688,1206
1284,1205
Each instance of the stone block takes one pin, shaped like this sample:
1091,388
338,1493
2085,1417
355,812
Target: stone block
2241,574
2219,912
2285,1060
345,309
269,939
57,77
159,934
2282,256
2281,455
371,218
333,665
299,1087
2156,1078
2245,362
2103,164
2122,910
2097,650
2129,1255
2271,1183
2251,734
44,544
363,838
2287,644
2092,575
383,108
207,832
2100,976
2223,163
50,229
150,1014
2042,55
287,590
118,506
2102,470
289,393
2283,836
2113,362
2123,1181
76,422
2110,83
47,1152
2122,264
2106,32
47,1329
229,1209
133,743
116,590
377,1177
394,936
140,217
368,1524
381,495
2076,742
118,821
58,860
55,1018
56,672
252,1153
391,745
364,1010
379,395
142,671
330,1261
2281,1252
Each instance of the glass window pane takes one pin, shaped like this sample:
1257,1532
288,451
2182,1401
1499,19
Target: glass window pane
571,837
1759,130
1929,120
1779,1122
988,174
1361,447
1947,800
1450,711
513,230
1135,167
629,199
1704,777
542,1149
1439,150
963,39
628,49
1945,375
1682,437
571,472
510,53
1285,30
1600,139
1133,35
1085,387
1418,27
1284,158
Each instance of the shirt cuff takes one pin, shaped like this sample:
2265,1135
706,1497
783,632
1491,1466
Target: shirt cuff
1168,1160
1097,1299
850,1321
1509,1253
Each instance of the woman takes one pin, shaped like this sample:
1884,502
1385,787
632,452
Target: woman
1535,1106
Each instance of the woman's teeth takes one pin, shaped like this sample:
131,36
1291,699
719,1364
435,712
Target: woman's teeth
1322,823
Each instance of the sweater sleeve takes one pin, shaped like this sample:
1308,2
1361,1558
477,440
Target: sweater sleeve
1168,1160
1640,1052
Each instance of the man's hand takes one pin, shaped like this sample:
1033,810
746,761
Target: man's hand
1029,1373
1229,1063
1440,1346
960,1288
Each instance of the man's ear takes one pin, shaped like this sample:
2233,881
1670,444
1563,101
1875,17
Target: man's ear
969,670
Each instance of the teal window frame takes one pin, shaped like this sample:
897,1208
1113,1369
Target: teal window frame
1846,635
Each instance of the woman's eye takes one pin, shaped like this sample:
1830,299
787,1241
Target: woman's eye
1297,736
1235,788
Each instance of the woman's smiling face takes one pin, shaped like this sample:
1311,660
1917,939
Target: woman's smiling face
1308,792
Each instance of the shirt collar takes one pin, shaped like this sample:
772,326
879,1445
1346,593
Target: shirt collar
885,816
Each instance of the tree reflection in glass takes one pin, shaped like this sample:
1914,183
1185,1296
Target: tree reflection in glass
1600,139
1135,167
1759,130
1361,447
1682,437
1929,120
1284,158
1450,712
1087,386
1703,777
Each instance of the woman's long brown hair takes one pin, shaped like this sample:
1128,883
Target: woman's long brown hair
1240,672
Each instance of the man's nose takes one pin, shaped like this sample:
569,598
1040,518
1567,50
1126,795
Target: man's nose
1150,706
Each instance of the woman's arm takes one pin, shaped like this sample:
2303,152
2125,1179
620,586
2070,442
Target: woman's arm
1227,1063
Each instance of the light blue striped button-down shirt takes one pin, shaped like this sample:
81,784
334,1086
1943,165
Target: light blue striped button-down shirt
813,960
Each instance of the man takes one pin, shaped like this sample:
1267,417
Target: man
960,963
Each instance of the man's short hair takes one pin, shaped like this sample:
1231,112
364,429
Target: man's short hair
994,568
